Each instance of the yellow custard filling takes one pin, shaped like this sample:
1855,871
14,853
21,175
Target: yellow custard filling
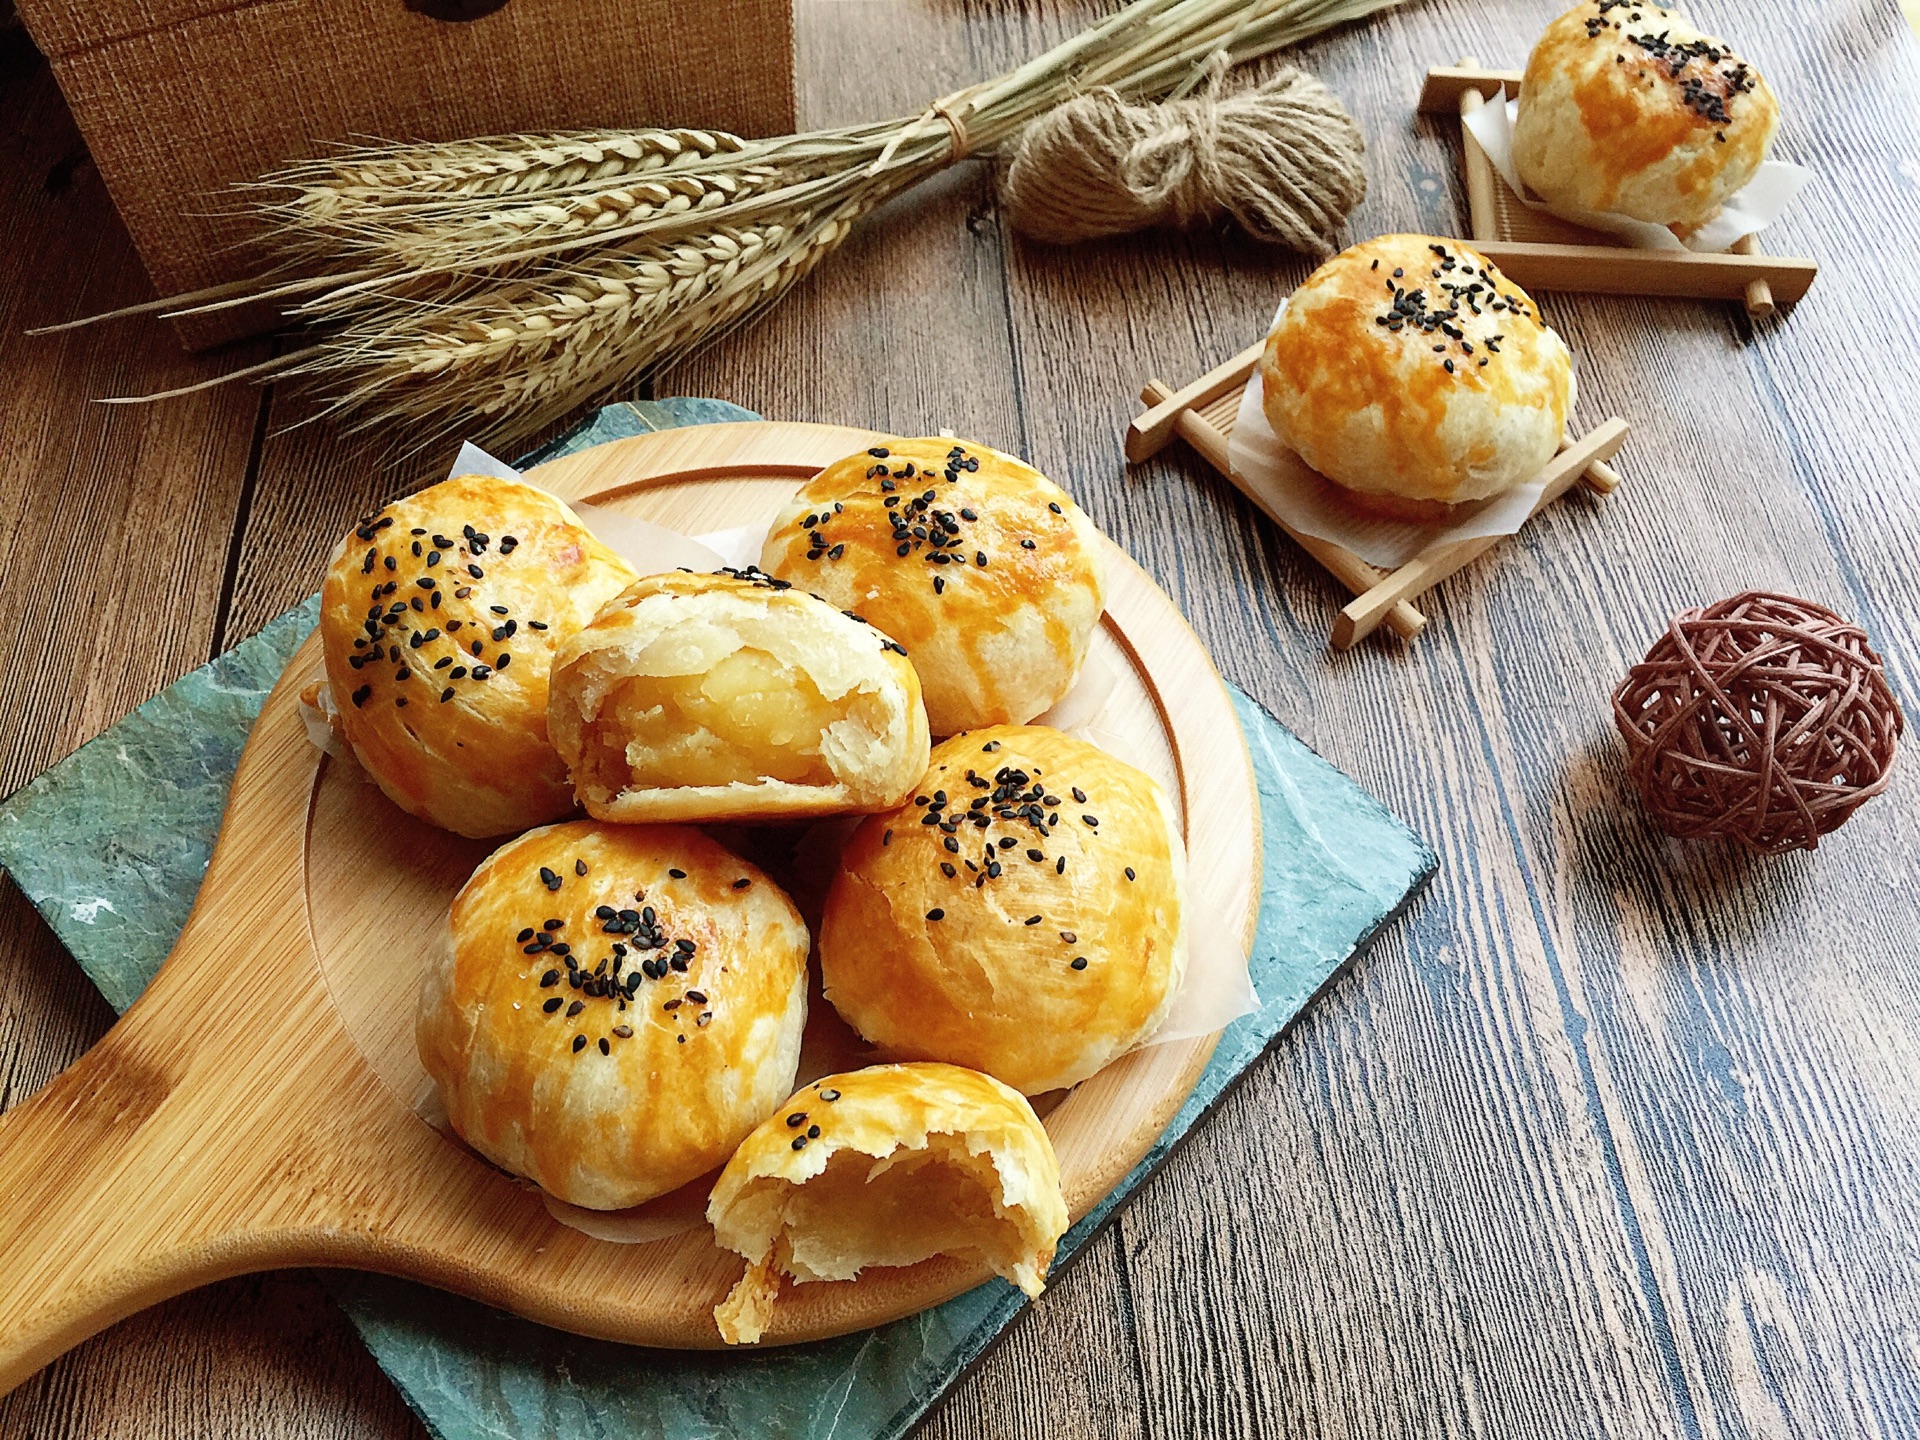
748,718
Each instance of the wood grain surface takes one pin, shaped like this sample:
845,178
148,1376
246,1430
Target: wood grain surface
1609,1136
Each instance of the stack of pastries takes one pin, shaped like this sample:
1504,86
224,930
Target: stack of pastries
618,1009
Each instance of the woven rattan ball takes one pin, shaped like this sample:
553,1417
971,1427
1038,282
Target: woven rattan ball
1762,719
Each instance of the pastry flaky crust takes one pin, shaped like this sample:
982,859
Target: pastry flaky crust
887,1166
616,1008
1627,108
681,625
1412,373
982,567
1023,915
438,618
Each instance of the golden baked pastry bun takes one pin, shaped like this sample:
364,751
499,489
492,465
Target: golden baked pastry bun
1627,108
617,1007
982,567
734,696
1414,375
1023,915
890,1165
438,619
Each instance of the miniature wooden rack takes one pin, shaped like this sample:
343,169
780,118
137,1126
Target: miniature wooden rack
1539,251
1203,413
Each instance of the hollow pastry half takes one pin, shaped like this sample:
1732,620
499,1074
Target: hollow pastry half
976,562
1415,376
733,696
1627,108
438,619
890,1165
616,1007
1023,914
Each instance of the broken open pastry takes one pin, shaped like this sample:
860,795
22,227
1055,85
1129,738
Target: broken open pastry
890,1165
733,696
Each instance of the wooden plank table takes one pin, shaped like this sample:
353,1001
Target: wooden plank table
1611,1135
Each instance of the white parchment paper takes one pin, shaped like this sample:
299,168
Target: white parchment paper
1746,212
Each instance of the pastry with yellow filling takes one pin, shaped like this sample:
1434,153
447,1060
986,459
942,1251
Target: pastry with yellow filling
616,1008
1627,108
1023,914
1415,376
889,1165
982,567
734,695
438,620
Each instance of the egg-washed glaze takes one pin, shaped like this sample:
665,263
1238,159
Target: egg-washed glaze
887,1166
982,567
439,617
1408,370
1023,914
1627,108
617,1007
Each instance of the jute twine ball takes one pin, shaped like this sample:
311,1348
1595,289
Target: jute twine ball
1762,719
1283,158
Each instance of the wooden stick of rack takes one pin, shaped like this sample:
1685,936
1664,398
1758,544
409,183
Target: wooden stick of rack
1365,615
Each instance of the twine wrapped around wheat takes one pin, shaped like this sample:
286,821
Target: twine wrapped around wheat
491,287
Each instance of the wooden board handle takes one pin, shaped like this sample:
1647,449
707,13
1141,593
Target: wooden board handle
162,1159
101,1214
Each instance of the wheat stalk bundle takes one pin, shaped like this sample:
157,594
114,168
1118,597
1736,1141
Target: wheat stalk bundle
493,286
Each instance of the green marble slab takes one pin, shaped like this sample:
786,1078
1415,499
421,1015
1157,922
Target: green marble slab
111,843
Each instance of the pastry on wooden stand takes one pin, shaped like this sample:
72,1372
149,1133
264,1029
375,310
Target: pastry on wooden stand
982,567
1626,122
1420,383
887,1166
1415,376
439,617
1024,915
1627,109
616,1008
732,696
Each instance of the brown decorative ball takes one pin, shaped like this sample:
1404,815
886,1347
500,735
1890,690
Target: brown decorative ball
1762,719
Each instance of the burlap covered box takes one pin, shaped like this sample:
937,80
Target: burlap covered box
181,99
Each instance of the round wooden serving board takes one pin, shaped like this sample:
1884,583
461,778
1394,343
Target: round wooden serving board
262,1105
